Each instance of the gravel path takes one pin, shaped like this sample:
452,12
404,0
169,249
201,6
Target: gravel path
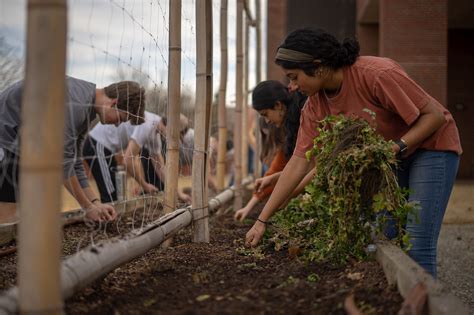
456,261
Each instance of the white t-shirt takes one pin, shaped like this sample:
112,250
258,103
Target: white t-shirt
186,148
116,138
188,139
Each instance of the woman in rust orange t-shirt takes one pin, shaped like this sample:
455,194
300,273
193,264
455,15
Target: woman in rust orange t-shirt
339,81
272,100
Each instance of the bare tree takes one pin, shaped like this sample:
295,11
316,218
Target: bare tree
157,100
157,95
131,74
11,65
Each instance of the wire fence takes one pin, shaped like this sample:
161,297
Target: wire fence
107,159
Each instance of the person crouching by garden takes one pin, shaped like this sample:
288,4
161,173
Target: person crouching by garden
186,151
138,148
339,81
186,146
114,104
280,108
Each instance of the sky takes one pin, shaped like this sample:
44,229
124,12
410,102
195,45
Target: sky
132,35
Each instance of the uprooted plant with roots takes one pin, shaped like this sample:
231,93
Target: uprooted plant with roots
349,201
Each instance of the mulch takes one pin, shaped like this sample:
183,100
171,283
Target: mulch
220,277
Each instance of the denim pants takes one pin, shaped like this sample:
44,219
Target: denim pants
430,177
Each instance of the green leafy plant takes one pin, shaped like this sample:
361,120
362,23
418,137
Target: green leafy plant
340,212
313,277
290,281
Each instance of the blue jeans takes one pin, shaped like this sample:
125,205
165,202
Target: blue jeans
430,177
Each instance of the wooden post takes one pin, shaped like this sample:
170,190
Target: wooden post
257,169
173,110
222,116
42,147
245,127
238,109
202,119
258,30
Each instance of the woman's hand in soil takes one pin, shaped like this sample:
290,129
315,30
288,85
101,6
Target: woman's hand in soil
101,212
241,214
254,235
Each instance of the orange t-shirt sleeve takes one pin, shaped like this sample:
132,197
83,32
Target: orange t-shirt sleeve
400,94
277,165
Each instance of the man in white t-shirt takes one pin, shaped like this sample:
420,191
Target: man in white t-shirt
140,146
186,149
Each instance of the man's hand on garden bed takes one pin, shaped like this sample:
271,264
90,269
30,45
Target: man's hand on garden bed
101,212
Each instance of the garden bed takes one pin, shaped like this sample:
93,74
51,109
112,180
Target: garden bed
222,276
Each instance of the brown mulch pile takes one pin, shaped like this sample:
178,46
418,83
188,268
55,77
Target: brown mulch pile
221,277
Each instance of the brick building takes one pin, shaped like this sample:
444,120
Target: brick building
433,40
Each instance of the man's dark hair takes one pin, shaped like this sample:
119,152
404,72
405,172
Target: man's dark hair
131,99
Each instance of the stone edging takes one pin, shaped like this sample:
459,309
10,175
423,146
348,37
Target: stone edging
406,273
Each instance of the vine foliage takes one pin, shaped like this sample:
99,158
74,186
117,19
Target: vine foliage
349,200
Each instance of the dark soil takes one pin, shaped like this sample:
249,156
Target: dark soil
220,277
